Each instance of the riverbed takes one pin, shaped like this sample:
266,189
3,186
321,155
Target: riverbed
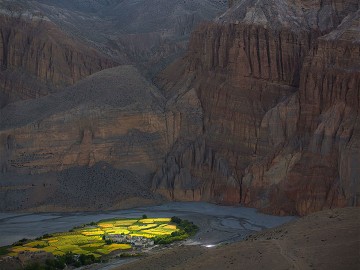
218,224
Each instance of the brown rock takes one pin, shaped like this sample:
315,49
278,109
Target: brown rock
262,111
103,136
36,57
280,108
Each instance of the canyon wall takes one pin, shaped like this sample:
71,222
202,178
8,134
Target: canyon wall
263,111
147,33
70,140
37,58
91,145
280,97
114,116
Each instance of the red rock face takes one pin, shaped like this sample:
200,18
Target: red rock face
280,111
36,58
329,100
330,76
263,111
242,72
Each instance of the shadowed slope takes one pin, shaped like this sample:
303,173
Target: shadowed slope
37,58
328,240
280,106
114,116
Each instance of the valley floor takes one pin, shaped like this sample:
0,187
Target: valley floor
325,240
218,224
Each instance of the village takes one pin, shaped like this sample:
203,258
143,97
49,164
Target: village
135,241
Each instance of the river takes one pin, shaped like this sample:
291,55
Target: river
218,224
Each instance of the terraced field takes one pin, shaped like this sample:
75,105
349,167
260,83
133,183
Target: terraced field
90,239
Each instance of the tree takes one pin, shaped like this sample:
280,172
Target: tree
176,220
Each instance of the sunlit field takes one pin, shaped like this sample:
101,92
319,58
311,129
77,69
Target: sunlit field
90,239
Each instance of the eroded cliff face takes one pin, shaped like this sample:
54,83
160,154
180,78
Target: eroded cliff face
36,58
114,118
131,32
262,111
329,120
280,110
316,169
98,119
95,144
298,14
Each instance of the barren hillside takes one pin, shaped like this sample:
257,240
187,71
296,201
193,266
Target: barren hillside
325,240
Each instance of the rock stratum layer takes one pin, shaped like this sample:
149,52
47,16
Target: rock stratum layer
37,58
280,98
95,144
114,118
138,33
263,111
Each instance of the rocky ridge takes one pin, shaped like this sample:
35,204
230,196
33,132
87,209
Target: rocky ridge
261,112
104,136
138,32
114,116
280,100
63,42
37,58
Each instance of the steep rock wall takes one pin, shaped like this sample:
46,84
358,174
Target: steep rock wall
241,72
280,109
36,57
98,119
93,145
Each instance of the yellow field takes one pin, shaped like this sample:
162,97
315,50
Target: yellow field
170,227
88,240
36,243
93,233
116,230
155,220
143,234
113,247
142,227
106,225
21,248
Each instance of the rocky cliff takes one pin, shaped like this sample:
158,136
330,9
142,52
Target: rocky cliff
101,138
95,144
263,111
147,33
37,58
320,159
280,107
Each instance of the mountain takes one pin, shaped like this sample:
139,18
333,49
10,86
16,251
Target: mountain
38,58
147,33
280,100
114,118
49,44
262,110
72,128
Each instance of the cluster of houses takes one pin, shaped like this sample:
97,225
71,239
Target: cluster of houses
135,241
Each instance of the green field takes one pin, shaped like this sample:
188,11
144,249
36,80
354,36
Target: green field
88,239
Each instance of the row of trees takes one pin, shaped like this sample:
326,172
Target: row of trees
60,262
